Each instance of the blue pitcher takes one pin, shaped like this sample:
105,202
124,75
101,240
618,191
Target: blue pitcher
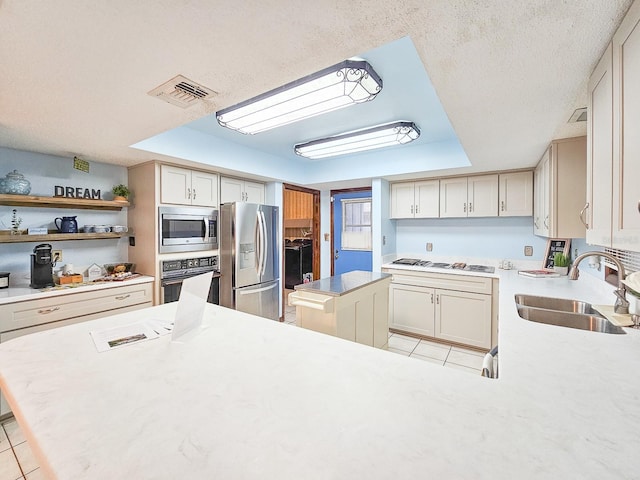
66,225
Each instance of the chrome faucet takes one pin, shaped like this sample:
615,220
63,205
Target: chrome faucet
621,305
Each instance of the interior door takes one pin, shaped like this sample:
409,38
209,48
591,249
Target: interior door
351,227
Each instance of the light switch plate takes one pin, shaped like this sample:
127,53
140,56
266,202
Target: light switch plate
429,247
528,250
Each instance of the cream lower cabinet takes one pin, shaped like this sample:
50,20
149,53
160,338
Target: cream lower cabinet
455,308
411,308
22,318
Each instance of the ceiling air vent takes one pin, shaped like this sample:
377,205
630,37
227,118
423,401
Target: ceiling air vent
181,91
580,115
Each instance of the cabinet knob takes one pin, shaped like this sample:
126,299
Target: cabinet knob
432,298
123,297
464,208
546,221
411,208
502,205
188,193
416,208
194,193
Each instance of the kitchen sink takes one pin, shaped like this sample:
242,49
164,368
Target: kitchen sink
564,313
559,304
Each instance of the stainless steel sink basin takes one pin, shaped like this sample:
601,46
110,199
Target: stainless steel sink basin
559,304
564,313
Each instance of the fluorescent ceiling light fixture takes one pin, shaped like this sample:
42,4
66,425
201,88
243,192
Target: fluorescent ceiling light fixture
398,133
344,84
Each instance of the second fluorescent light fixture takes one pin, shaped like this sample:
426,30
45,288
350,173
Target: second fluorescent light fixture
397,133
344,84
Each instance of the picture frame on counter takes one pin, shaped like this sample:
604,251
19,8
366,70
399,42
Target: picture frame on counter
555,245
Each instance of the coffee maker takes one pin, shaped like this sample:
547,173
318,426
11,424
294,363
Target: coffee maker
41,266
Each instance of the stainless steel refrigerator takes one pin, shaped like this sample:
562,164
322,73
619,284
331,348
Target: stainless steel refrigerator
249,258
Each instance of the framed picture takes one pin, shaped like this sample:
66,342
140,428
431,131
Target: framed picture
555,245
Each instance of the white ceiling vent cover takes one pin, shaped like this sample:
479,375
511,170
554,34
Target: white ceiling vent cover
580,115
181,91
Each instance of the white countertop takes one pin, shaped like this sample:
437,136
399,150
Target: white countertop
21,294
252,398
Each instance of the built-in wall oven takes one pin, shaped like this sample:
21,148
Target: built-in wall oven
175,271
187,229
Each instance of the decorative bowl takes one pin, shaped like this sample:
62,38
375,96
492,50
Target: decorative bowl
115,268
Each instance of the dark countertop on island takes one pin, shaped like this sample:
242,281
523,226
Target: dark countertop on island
341,284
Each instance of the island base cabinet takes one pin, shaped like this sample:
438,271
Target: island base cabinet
360,316
412,309
463,317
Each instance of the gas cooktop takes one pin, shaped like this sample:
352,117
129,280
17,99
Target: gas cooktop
414,262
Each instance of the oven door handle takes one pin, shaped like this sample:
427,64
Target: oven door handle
172,281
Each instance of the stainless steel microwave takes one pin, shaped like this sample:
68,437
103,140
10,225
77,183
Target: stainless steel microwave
187,229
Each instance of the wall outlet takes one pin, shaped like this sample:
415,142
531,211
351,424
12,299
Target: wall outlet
528,250
429,247
56,255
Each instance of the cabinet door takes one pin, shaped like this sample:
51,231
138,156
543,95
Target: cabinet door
463,317
204,189
411,308
516,194
175,185
453,197
597,213
626,154
482,196
254,192
231,190
427,199
402,200
542,179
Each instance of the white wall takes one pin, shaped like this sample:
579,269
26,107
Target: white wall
384,230
44,172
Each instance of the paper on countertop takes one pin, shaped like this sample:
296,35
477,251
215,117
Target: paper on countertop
618,319
161,327
191,304
116,337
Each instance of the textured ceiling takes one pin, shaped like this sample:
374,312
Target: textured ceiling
75,75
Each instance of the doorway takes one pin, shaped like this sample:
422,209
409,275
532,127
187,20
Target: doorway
301,234
351,230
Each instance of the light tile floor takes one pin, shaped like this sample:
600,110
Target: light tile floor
18,463
16,459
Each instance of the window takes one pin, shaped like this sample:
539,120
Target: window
356,224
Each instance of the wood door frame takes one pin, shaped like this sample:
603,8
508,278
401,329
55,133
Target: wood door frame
315,227
332,193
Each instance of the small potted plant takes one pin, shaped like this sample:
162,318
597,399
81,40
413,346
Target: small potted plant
120,193
560,263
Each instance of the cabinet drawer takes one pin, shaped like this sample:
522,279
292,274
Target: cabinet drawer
37,312
463,283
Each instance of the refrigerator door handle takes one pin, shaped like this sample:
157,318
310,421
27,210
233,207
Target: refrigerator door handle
263,244
260,243
257,290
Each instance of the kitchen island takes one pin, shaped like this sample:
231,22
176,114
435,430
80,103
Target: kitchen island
249,398
353,306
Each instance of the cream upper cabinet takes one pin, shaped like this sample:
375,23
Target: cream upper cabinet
542,182
415,199
237,190
453,197
188,187
560,189
516,194
626,132
482,196
598,207
475,196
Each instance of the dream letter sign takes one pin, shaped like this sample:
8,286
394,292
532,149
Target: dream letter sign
77,192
